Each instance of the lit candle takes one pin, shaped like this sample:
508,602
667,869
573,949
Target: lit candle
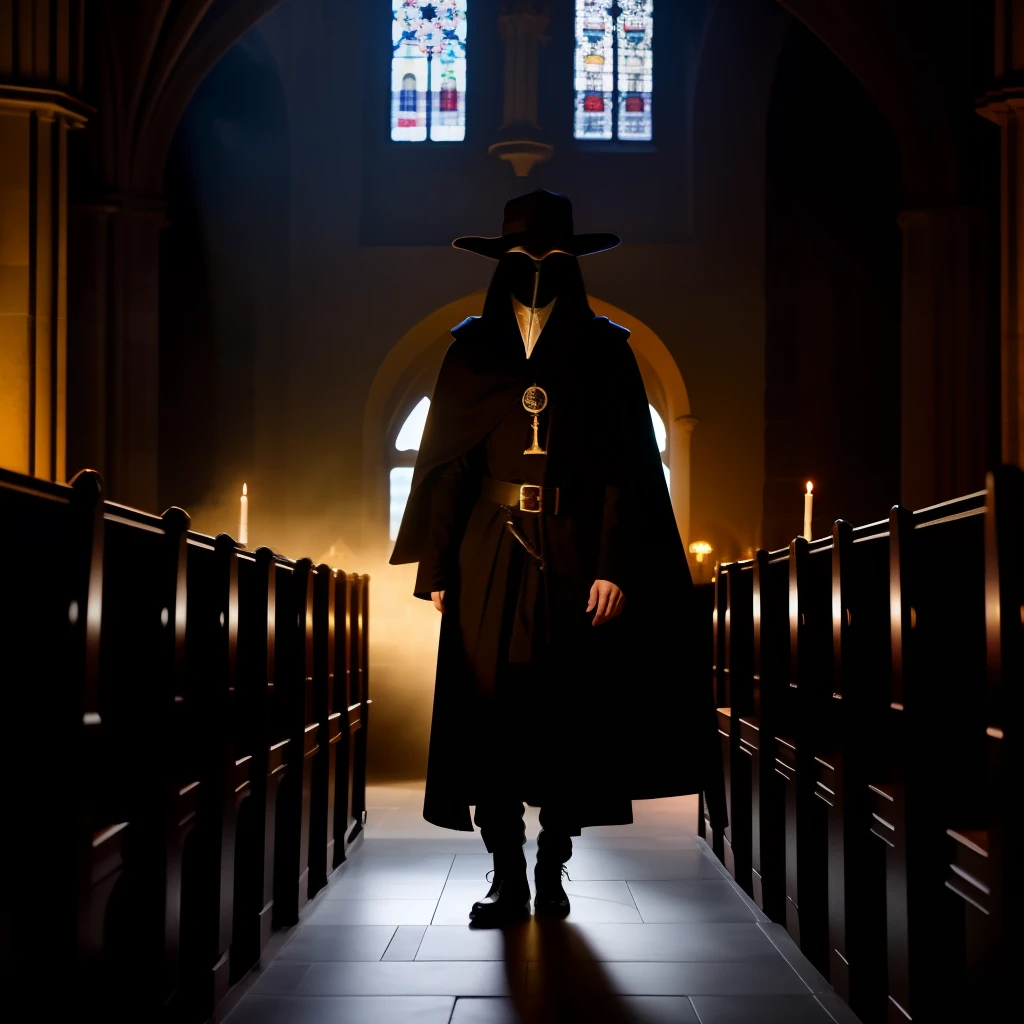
808,505
243,518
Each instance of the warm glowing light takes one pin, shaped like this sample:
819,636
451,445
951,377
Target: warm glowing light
700,548
243,517
808,510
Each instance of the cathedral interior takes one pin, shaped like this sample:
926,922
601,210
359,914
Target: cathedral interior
227,285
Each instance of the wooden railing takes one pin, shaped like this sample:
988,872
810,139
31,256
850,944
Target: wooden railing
184,732
868,688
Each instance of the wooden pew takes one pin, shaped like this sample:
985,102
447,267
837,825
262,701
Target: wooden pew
859,756
349,715
292,716
268,755
806,751
758,729
60,858
148,709
211,636
984,869
735,692
938,724
715,837
359,703
324,798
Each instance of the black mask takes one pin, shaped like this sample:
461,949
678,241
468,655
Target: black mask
536,282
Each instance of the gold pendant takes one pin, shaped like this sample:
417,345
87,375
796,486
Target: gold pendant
535,401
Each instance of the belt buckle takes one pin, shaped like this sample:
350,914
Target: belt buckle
531,498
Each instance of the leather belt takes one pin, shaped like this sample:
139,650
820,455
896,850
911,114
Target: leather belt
528,497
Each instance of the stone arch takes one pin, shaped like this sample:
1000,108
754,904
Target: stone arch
409,369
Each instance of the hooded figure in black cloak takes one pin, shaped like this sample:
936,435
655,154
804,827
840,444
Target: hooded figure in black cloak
541,521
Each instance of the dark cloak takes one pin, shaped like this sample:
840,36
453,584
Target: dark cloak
630,701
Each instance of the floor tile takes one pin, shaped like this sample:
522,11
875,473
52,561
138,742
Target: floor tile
659,1010
470,867
387,886
349,1009
685,979
631,1009
601,902
408,853
516,943
405,943
632,842
760,1010
676,942
475,978
791,953
394,865
337,942
455,902
449,842
704,901
373,912
485,1011
280,977
642,864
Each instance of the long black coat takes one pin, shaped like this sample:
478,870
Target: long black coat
629,703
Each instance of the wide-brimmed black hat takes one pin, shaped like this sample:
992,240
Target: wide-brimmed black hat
539,221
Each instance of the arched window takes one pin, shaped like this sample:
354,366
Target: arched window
428,71
407,444
661,435
614,70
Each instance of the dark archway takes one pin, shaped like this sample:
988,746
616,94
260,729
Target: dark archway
833,276
223,276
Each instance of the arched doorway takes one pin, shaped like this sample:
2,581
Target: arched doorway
407,376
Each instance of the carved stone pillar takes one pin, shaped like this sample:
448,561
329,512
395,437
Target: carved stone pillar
522,24
944,359
1004,105
114,408
40,73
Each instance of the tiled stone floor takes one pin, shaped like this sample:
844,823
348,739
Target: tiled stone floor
658,934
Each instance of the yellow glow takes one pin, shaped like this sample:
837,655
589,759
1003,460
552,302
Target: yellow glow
245,490
700,548
810,487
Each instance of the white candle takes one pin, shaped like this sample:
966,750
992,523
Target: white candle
808,505
243,518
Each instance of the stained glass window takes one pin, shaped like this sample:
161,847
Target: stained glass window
428,71
408,441
614,69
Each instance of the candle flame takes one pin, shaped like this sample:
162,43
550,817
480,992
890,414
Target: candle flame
810,487
245,490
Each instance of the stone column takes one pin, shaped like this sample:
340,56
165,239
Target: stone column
680,471
114,410
944,362
1004,105
40,75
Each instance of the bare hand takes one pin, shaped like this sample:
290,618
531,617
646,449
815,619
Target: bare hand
437,596
609,601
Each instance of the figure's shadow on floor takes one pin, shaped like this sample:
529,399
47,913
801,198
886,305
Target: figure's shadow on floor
565,983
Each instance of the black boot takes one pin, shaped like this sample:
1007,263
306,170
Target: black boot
508,899
553,851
